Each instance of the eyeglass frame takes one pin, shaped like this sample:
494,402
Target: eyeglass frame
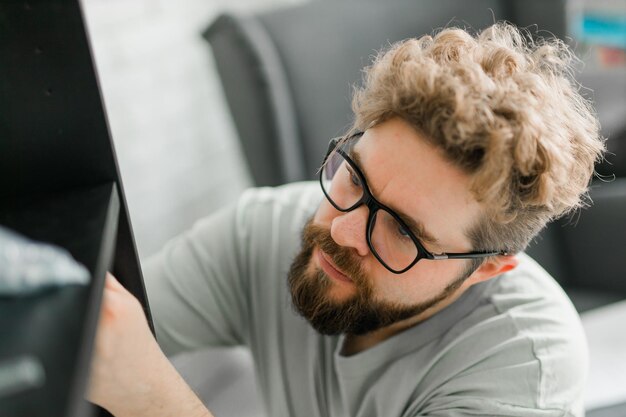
374,205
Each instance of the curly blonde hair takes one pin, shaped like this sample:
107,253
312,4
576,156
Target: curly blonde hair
502,107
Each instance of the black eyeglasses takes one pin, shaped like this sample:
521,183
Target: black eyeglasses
389,238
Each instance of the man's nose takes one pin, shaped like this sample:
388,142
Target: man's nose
349,229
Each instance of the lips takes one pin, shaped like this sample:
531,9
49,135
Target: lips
329,267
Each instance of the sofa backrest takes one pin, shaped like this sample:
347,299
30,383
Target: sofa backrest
288,74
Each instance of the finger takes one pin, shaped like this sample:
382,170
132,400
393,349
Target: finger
112,283
112,305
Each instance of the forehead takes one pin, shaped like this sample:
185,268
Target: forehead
406,173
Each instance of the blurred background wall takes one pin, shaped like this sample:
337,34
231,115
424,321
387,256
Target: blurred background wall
175,141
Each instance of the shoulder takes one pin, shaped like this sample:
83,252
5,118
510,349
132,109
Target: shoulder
293,202
523,345
538,308
268,225
543,314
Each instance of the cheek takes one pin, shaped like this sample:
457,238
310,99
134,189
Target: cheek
424,281
325,213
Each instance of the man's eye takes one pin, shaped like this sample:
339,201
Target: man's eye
354,178
402,231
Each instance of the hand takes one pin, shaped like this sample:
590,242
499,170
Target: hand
126,354
130,375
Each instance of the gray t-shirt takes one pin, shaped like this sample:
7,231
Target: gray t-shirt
510,346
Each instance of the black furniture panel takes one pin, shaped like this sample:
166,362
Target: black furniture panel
54,133
58,326
51,113
60,183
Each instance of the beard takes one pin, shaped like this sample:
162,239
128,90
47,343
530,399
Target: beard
361,312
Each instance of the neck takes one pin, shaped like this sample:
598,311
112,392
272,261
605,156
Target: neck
354,344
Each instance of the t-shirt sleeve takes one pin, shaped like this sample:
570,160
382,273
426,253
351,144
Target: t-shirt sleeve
196,286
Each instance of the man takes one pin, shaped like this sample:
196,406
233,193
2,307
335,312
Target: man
398,287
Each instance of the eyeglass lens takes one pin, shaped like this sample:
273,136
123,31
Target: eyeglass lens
388,238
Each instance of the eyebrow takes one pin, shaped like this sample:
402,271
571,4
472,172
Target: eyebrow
416,226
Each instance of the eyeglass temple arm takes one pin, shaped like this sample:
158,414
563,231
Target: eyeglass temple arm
468,255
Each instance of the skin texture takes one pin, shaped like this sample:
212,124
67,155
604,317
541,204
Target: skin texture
130,376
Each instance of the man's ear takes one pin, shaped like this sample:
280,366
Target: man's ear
492,268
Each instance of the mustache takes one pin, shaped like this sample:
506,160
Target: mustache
343,257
